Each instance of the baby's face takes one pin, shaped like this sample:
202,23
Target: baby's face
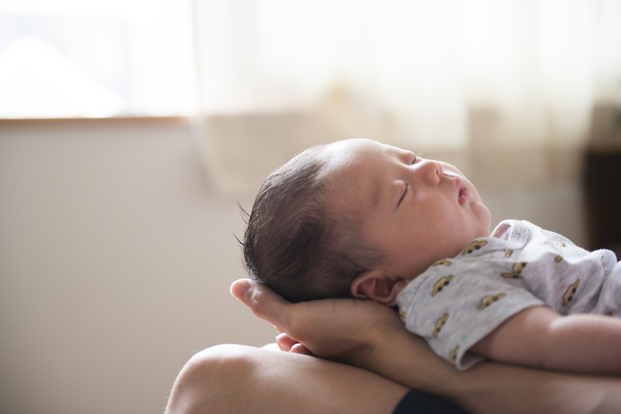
414,210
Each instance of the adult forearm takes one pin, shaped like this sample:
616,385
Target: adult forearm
490,387
406,359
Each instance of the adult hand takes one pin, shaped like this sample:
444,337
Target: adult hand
371,336
338,329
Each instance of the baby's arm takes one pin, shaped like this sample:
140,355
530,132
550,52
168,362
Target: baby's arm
540,337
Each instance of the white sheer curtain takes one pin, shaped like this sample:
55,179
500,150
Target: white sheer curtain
482,82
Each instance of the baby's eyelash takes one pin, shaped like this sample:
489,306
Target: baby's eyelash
407,186
417,157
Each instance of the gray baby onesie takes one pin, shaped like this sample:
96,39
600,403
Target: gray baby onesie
458,301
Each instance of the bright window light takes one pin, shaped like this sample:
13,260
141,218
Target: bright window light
96,58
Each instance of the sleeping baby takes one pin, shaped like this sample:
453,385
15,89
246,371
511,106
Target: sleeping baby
358,218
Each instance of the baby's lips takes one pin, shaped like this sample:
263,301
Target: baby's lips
462,191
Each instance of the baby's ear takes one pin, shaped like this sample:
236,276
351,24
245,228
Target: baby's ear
376,285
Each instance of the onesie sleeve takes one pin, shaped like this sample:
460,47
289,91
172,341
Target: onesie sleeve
455,305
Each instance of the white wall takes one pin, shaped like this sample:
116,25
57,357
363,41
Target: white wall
116,257
115,263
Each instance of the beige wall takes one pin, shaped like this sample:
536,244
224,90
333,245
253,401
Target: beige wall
115,261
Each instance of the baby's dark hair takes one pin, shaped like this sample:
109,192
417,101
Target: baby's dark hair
296,243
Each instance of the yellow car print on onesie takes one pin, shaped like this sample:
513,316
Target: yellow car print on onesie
508,253
517,270
453,354
570,293
488,300
441,263
439,324
604,262
558,258
441,283
402,313
475,245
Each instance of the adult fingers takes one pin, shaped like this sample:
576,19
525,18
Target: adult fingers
300,349
263,302
285,342
240,287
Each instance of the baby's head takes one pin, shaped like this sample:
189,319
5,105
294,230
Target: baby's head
358,218
298,241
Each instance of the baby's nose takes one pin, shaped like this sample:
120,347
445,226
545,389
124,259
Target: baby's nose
432,170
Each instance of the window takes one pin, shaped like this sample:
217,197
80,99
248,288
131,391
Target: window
61,58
